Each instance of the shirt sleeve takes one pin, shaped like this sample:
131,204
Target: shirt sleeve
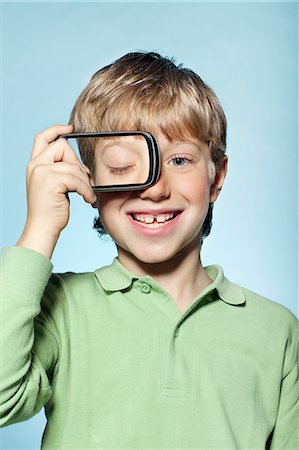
286,431
28,347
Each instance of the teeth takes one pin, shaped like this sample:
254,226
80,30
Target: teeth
164,217
149,219
161,218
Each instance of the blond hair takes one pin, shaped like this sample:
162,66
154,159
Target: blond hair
145,91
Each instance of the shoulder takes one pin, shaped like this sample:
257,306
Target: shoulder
66,290
69,279
269,308
270,327
250,306
74,282
271,318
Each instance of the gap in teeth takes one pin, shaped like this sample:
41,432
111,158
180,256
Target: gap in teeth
162,218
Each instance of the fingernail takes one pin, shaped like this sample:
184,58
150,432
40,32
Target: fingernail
86,168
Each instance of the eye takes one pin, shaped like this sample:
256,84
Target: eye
180,161
121,170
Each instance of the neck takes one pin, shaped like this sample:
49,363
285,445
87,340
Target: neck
182,276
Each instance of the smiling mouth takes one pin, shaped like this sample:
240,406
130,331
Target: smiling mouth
152,221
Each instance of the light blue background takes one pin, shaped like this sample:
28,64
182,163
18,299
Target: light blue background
247,52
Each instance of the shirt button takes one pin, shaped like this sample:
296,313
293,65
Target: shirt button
145,288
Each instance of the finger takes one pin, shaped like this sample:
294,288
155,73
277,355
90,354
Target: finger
71,168
87,169
71,183
60,172
45,137
58,151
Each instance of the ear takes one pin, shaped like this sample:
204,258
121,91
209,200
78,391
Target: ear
219,179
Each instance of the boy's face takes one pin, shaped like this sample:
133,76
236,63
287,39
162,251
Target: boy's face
165,220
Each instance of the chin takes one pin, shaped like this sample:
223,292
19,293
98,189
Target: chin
154,255
152,252
152,259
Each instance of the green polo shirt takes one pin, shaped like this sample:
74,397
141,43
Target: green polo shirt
117,366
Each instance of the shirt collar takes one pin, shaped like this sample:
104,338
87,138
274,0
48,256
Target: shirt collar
229,292
116,277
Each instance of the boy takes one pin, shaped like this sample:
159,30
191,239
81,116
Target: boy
154,351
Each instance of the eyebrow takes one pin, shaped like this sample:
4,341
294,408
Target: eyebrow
114,142
109,143
194,143
119,139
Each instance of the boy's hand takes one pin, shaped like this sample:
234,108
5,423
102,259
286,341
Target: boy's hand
54,170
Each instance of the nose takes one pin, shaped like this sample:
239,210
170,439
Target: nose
158,191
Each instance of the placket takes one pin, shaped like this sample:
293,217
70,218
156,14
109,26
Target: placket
177,381
174,339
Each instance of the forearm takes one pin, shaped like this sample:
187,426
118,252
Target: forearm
24,384
286,430
39,239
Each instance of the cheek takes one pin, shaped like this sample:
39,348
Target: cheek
111,199
109,204
195,188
